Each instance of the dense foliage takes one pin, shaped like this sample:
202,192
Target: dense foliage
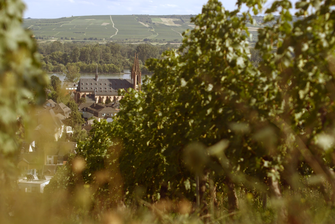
266,125
22,81
111,57
22,84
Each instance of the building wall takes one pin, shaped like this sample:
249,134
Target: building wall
32,187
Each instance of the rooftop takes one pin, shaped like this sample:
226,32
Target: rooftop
103,87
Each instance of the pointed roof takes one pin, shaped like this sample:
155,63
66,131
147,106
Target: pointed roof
96,74
61,107
50,103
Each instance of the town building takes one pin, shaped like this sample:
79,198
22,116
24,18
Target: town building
49,104
70,86
32,186
99,110
45,159
101,90
56,155
62,109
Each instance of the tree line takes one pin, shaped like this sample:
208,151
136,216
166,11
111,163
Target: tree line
110,57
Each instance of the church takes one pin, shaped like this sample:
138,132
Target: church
101,90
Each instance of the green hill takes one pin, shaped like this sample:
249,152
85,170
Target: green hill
125,28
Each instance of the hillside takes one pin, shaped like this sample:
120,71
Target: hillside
119,28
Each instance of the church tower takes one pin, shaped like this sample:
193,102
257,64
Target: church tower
136,74
96,74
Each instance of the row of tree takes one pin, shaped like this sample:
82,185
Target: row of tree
112,57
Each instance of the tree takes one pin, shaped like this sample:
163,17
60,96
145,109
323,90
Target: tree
49,67
79,134
254,124
96,54
75,54
85,55
56,83
145,51
82,100
94,165
75,116
22,87
56,46
56,57
72,74
186,105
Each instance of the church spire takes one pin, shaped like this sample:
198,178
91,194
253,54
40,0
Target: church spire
96,74
136,74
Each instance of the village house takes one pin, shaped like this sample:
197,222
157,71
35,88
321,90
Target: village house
30,163
32,186
49,104
57,155
70,86
38,167
100,110
62,109
59,113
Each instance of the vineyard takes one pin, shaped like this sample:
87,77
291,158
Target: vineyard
132,28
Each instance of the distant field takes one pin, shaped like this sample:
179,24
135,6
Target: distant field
130,28
126,28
